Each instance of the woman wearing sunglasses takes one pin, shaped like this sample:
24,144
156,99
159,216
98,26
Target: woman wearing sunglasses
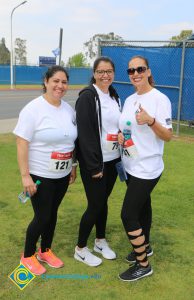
145,124
97,113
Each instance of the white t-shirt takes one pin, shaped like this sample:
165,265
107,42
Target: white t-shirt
51,132
147,162
110,113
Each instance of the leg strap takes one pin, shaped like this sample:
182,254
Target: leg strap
133,237
135,247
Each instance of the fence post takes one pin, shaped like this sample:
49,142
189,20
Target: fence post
180,89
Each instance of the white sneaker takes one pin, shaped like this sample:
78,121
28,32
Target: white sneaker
84,255
102,247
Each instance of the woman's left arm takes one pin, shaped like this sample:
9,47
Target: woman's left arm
142,117
163,133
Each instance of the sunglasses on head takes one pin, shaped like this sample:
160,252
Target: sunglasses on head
139,70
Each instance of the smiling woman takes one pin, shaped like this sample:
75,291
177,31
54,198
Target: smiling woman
97,113
46,132
55,85
146,118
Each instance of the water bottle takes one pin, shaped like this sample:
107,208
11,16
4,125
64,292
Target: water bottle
24,197
127,131
129,148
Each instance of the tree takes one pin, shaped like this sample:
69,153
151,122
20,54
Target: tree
4,53
92,45
182,36
77,60
20,51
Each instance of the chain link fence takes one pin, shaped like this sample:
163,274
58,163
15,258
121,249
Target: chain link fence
172,65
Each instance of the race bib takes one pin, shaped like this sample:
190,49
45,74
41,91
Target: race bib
60,161
129,149
112,142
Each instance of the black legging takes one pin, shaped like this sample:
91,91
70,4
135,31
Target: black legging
136,212
97,193
45,205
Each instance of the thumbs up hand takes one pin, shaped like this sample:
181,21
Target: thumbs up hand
142,117
140,108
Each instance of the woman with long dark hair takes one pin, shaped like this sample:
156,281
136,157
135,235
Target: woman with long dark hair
97,113
145,124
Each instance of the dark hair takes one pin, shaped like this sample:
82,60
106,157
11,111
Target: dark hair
50,72
106,59
150,78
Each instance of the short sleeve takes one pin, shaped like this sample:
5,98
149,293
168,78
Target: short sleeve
26,125
164,112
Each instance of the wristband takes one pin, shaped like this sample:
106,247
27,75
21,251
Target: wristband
150,125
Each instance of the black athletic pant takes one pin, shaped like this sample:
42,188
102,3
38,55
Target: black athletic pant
45,204
97,193
136,212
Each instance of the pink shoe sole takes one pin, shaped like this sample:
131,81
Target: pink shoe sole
52,266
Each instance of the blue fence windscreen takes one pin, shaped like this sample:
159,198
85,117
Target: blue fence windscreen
34,75
165,65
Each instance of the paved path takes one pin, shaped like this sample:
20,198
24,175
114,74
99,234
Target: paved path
7,125
11,102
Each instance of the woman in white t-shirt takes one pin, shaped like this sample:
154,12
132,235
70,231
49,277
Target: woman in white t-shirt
145,124
46,132
97,114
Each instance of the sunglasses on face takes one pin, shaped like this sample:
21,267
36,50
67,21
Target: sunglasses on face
139,70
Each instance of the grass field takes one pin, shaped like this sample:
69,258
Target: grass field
172,236
184,129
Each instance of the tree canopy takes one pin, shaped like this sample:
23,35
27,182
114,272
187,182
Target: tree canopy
77,60
91,46
182,36
4,53
20,51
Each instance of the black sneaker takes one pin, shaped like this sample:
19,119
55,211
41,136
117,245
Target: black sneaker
136,272
131,257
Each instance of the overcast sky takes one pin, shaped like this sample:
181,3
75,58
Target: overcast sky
39,22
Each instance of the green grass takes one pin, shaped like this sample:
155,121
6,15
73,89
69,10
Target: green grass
184,130
172,236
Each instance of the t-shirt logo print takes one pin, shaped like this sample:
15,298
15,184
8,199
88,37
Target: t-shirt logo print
168,121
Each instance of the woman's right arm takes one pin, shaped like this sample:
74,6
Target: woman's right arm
88,134
22,154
